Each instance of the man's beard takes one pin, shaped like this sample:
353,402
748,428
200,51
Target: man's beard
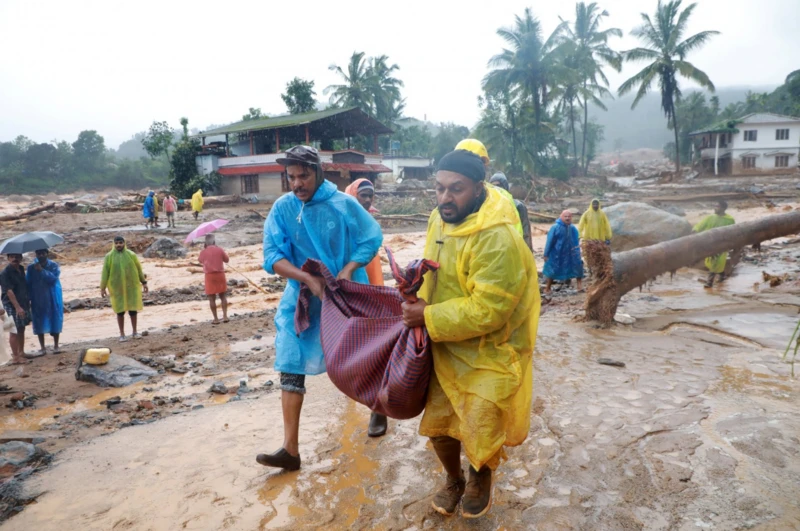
461,214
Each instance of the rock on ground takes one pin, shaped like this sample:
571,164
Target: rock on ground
166,248
639,225
118,372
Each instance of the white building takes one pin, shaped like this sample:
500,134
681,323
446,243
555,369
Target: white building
409,167
760,143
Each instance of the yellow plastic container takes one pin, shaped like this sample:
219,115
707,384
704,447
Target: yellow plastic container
97,356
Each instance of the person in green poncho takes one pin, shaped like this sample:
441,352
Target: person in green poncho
716,263
125,281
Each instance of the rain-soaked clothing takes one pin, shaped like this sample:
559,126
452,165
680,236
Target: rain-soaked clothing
47,305
123,276
563,253
510,198
197,201
156,206
482,314
333,228
374,271
716,263
594,225
148,209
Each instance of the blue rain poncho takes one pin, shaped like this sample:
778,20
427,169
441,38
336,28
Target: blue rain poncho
333,228
563,253
148,209
44,291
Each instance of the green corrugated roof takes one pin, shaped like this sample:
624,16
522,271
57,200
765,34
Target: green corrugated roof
725,126
351,119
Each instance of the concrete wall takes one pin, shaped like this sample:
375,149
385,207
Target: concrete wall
207,164
765,145
269,186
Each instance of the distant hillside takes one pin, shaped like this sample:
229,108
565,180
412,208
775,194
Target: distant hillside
646,126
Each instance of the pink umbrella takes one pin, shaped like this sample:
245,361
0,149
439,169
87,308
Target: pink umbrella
205,228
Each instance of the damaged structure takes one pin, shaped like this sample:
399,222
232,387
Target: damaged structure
759,143
245,153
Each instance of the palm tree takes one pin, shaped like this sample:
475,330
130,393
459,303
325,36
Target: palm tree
529,64
356,90
590,54
385,89
666,48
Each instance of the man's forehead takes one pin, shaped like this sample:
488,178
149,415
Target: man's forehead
299,169
449,178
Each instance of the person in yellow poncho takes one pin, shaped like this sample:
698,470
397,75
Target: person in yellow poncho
481,309
156,207
715,264
197,203
477,147
125,281
594,225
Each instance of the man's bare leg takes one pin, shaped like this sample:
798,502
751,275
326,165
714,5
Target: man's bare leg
41,342
580,284
121,324
223,297
548,285
212,302
134,320
292,405
56,337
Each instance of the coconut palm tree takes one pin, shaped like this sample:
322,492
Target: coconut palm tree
666,48
385,89
356,89
591,53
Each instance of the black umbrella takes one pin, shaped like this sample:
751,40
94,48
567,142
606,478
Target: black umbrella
30,241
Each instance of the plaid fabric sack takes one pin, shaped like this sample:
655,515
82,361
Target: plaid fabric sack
369,354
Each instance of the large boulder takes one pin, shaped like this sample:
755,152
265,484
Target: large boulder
118,372
166,248
639,225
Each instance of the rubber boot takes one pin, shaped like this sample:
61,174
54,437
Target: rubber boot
377,425
448,450
710,281
478,494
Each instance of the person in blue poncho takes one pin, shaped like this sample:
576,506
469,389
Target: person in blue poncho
314,221
149,210
562,253
44,291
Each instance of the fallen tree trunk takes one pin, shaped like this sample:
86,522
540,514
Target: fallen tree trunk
28,213
634,268
539,215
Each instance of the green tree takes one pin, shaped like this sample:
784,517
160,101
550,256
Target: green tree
355,89
88,153
185,127
666,48
41,162
183,167
254,113
158,139
385,88
695,114
414,141
449,135
299,96
591,53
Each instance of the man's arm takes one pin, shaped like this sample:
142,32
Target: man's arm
286,269
496,282
15,303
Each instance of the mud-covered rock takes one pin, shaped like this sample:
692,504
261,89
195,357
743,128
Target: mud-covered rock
118,372
166,248
638,225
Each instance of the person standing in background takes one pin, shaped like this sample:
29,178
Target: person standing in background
214,259
47,305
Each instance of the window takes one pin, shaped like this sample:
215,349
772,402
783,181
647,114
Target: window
751,135
249,184
748,162
781,134
782,161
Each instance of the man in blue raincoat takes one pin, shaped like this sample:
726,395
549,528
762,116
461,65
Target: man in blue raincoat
562,252
44,291
149,211
314,221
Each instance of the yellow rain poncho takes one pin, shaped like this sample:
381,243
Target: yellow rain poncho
594,225
123,276
482,316
155,205
716,263
197,201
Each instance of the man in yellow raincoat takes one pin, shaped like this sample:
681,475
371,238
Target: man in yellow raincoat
482,312
715,264
477,147
594,225
197,203
125,281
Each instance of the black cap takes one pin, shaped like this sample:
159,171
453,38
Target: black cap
306,155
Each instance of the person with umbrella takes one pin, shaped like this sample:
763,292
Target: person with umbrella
124,279
47,306
214,259
16,304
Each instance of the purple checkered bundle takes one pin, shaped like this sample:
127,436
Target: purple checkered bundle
369,354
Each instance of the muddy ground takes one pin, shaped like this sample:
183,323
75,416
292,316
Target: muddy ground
699,430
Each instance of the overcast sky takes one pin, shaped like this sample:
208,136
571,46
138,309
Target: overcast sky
115,66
